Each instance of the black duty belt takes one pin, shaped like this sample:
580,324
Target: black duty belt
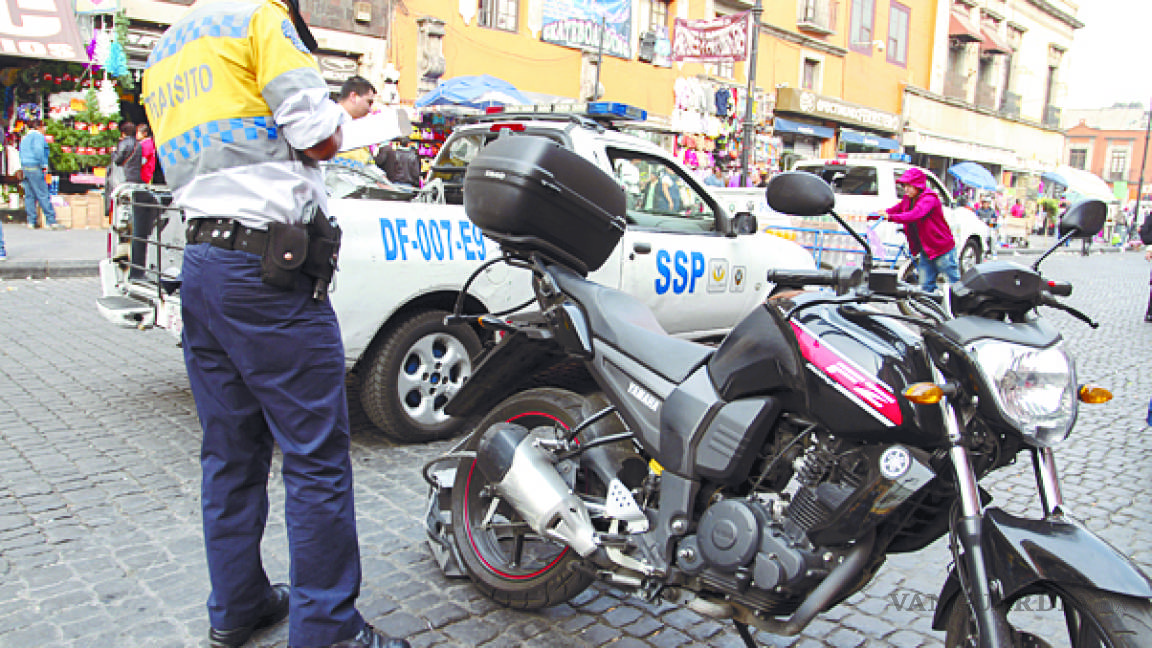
226,233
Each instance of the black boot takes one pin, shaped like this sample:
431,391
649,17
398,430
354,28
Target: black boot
1148,313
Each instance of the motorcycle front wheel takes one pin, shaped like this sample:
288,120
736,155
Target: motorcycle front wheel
1074,617
505,558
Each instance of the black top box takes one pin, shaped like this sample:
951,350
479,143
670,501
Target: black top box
530,194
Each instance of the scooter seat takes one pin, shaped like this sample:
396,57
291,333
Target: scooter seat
624,322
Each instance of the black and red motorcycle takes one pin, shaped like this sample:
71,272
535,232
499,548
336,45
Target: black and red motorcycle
765,480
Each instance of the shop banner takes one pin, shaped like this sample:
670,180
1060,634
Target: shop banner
580,23
45,29
713,40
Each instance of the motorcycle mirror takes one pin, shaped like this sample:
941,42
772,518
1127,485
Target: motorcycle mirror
800,193
1084,219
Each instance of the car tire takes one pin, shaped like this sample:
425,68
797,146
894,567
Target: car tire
971,254
412,371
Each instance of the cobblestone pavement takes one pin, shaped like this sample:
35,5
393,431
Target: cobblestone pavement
100,539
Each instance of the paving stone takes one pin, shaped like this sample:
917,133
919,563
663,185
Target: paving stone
99,505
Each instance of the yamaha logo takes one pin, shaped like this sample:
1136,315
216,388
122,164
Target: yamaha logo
646,399
499,175
895,462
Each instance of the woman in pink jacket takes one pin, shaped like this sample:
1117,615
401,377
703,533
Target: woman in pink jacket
929,237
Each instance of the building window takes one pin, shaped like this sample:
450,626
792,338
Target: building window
860,25
653,15
500,14
1118,164
810,75
1078,159
898,19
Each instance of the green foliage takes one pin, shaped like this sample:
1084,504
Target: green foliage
64,134
52,76
120,34
1050,206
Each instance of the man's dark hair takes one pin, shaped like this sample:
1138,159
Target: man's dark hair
127,128
357,84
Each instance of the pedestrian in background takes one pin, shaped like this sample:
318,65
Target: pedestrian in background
716,178
1146,239
929,237
356,97
34,160
400,162
126,163
264,356
991,218
147,153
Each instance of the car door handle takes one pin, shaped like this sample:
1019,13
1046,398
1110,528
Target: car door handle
642,247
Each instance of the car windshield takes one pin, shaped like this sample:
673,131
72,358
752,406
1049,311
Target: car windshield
363,182
847,180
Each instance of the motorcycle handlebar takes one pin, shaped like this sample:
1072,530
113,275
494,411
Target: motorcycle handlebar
1059,288
801,278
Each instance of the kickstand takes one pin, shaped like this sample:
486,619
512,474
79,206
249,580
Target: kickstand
742,630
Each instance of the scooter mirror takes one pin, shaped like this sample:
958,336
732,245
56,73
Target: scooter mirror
800,193
1085,218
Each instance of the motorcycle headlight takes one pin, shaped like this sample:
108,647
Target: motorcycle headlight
1035,389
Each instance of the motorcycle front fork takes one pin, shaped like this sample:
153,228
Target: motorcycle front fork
981,591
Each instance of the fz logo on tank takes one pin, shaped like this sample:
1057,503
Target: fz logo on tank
646,399
876,395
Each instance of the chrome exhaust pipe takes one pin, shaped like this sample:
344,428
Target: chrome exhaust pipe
526,478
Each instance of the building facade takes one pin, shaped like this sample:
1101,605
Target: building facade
1113,144
943,80
996,89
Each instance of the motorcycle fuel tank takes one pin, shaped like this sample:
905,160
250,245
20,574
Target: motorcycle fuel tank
858,364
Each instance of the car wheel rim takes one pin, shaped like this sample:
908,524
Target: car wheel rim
433,370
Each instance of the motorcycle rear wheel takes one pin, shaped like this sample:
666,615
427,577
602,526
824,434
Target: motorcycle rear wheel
1090,618
506,560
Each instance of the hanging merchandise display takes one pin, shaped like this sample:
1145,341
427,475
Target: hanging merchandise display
431,129
710,116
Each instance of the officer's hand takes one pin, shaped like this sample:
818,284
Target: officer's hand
328,148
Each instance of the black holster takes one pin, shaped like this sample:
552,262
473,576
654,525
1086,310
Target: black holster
323,253
285,255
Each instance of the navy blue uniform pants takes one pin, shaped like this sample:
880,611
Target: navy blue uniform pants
267,366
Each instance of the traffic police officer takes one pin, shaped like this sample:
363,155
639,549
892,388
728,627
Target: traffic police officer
241,116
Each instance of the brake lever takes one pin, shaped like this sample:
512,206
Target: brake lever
1048,300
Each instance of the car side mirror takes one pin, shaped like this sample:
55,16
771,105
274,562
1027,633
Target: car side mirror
744,223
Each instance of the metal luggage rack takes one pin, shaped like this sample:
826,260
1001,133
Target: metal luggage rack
125,203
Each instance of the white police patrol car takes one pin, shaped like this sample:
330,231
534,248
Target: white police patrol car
403,264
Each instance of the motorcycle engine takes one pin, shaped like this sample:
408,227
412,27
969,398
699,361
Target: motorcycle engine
758,549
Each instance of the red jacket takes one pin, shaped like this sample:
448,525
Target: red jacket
923,218
148,166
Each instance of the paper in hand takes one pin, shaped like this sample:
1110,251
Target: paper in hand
375,128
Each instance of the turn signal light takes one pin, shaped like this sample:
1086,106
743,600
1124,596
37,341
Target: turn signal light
924,393
1094,394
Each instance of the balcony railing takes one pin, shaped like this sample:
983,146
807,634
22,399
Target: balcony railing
814,16
1051,116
